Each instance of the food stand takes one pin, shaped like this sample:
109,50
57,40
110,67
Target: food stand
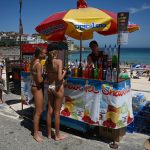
87,101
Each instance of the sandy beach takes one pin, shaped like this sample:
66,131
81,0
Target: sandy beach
141,85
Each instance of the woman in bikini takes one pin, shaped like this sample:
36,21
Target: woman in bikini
55,74
36,89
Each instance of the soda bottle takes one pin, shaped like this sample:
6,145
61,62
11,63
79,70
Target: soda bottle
108,74
86,72
105,50
105,62
73,71
114,58
109,53
95,72
76,69
114,75
83,71
69,72
80,70
104,74
100,73
90,72
100,61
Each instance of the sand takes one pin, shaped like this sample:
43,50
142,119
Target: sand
141,85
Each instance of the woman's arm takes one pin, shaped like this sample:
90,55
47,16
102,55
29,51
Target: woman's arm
39,77
61,72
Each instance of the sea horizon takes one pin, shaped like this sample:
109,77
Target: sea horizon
127,55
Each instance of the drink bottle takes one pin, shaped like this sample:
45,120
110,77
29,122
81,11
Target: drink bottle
100,72
105,50
90,72
109,53
104,74
73,71
83,71
80,70
95,72
114,58
76,69
69,72
105,62
114,75
108,74
86,72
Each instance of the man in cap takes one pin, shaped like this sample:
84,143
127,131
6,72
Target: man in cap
95,54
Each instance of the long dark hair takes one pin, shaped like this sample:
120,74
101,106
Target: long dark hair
37,52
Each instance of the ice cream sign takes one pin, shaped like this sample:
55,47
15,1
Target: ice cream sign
89,26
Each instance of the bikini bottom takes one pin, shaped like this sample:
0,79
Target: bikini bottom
51,87
39,87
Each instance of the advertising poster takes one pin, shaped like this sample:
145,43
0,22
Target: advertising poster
26,94
98,103
122,27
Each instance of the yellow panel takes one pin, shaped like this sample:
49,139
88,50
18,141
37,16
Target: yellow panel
88,18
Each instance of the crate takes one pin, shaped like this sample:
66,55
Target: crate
143,125
132,126
112,134
143,120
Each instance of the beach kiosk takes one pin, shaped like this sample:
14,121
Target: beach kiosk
90,102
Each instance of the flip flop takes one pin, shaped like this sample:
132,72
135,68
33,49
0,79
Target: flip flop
39,141
62,137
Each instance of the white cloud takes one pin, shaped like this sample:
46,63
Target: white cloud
142,8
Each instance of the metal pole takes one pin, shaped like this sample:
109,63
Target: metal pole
20,46
118,70
80,47
20,28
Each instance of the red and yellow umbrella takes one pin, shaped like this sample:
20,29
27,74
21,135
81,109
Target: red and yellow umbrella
74,22
79,23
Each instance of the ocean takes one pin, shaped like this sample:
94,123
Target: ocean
127,55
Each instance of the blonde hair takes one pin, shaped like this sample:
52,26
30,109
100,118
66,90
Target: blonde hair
51,55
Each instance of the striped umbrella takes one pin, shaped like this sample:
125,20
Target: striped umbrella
77,22
73,23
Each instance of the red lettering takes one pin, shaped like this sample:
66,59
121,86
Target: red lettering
73,87
110,91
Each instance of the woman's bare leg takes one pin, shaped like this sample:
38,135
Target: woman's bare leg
57,108
49,113
38,101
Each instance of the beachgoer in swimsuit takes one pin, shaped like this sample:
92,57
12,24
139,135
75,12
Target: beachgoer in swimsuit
55,74
36,89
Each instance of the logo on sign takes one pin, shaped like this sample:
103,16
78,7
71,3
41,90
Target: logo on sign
89,26
106,90
52,29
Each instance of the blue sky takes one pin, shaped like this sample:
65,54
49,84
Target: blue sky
35,11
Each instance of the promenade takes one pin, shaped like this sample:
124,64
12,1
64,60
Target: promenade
16,133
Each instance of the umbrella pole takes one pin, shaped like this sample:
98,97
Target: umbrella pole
80,47
20,46
118,63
